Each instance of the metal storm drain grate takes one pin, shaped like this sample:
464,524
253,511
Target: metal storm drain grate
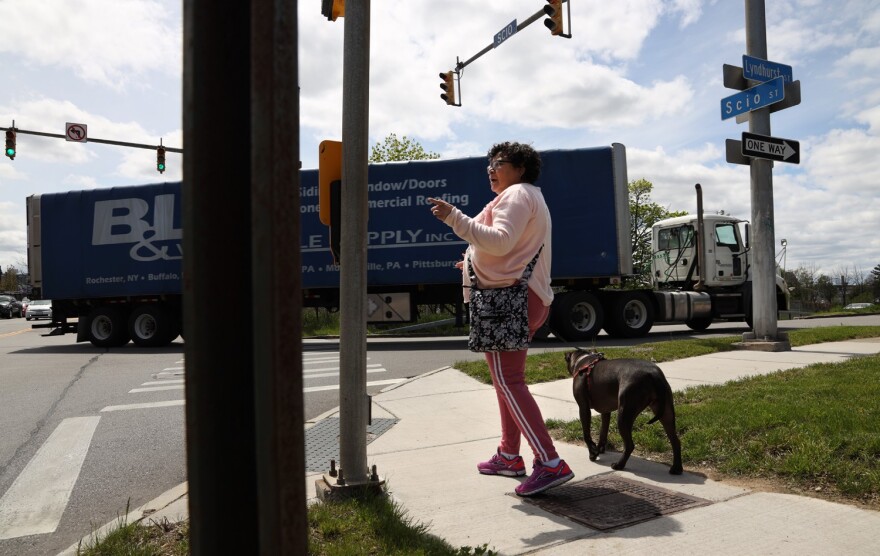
322,441
606,503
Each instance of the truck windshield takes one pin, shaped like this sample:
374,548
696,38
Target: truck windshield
681,237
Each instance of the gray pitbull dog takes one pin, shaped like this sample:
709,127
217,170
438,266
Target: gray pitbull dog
628,386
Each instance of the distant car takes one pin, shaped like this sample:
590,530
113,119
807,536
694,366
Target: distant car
10,307
859,306
39,309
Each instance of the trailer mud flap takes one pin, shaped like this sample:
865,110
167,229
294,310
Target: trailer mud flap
82,330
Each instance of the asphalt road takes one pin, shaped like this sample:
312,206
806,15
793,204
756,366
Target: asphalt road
88,431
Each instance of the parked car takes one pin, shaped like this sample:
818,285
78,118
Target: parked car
10,307
859,306
39,309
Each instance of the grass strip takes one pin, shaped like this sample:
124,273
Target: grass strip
813,429
550,365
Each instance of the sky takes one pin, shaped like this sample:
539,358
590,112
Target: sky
644,73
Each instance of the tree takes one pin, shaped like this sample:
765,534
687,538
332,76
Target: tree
643,215
9,280
875,279
394,149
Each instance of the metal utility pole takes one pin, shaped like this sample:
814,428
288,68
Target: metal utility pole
244,405
276,278
764,261
353,401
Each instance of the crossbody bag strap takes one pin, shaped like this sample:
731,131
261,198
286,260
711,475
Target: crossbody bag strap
527,273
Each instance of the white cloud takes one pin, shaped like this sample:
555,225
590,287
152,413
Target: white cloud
112,42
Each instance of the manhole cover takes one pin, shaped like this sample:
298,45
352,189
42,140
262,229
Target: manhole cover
606,503
322,441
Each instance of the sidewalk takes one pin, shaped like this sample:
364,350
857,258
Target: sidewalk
447,422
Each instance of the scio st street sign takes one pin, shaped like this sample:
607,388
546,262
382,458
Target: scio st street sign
504,34
754,98
761,70
771,148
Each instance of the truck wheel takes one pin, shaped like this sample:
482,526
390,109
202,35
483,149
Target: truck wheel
151,326
699,324
576,316
106,327
630,315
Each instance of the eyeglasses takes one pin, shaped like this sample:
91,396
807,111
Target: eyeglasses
495,164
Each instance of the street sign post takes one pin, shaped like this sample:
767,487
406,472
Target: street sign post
771,148
757,69
754,98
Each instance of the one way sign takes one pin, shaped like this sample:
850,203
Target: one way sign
772,148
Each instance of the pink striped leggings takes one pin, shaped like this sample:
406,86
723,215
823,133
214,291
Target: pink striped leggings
520,414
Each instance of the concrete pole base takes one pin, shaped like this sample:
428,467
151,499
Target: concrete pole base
751,342
328,488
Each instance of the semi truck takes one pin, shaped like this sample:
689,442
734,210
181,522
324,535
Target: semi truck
110,259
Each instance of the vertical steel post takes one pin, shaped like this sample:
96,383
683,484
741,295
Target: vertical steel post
221,465
764,319
276,279
353,244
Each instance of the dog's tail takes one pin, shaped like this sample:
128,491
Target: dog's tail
664,393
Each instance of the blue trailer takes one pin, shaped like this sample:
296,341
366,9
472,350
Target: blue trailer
111,258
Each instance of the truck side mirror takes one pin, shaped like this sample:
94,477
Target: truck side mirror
748,238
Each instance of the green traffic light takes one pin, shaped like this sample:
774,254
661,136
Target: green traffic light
10,152
160,167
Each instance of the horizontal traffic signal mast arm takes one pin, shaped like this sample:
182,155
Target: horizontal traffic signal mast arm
93,140
534,17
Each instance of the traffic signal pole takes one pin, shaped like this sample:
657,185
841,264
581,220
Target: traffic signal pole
554,23
93,140
353,401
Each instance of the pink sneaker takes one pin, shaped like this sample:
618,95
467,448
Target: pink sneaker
543,478
500,465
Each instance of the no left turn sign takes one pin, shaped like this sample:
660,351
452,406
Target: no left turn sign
76,132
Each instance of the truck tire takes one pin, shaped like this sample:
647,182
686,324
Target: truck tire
107,327
630,315
152,326
699,324
576,316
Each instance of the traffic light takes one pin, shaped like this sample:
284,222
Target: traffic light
330,191
448,85
554,22
160,159
331,9
10,144
329,170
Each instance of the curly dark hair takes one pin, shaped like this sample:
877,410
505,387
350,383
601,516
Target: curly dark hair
521,156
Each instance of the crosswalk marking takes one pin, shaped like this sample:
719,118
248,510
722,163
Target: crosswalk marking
336,368
36,500
156,388
161,382
336,386
150,405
